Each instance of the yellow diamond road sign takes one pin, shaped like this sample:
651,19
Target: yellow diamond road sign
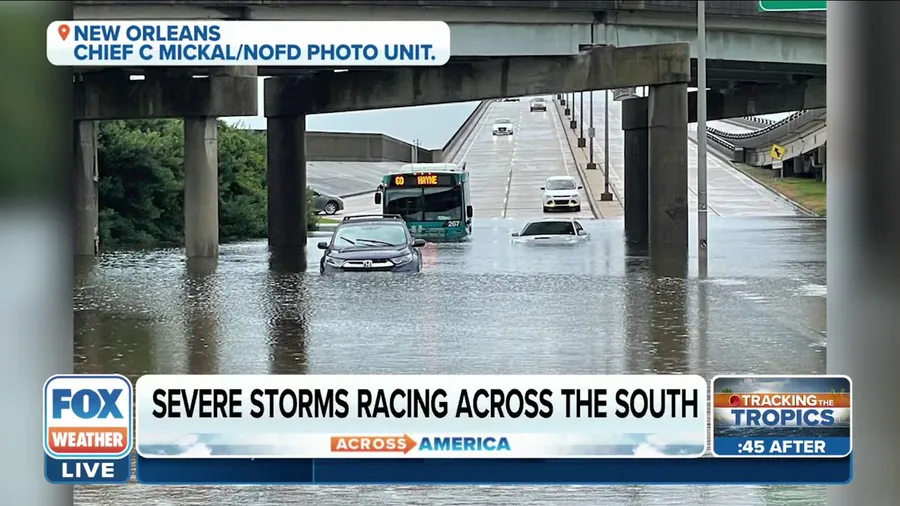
777,152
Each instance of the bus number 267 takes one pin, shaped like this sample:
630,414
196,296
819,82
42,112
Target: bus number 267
452,223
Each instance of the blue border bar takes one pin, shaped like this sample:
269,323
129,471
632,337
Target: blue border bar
752,471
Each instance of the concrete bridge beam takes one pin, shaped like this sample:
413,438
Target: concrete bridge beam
637,191
86,197
286,178
667,156
596,69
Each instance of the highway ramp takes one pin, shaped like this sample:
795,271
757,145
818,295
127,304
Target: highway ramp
347,178
730,192
507,172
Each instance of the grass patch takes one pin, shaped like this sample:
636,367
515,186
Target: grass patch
330,221
807,192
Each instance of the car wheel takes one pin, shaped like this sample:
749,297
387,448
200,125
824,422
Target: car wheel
546,210
577,209
331,207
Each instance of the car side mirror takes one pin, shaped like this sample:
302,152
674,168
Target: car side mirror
469,211
582,232
377,198
418,243
323,245
514,234
543,188
581,187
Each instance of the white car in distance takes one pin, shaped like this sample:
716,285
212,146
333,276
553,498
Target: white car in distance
561,194
552,231
503,126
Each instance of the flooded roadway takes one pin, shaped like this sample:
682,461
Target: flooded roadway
486,306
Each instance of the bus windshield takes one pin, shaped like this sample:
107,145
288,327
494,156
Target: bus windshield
405,202
443,204
425,204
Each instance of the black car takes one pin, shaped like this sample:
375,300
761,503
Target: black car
380,242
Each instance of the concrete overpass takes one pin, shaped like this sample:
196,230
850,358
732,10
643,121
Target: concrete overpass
500,49
736,30
804,136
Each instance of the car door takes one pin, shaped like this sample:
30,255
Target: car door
579,230
318,201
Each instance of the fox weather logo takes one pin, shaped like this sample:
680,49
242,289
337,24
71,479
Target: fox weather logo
87,428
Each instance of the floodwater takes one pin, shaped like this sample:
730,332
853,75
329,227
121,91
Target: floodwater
487,306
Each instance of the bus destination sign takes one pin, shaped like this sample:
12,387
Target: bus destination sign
421,180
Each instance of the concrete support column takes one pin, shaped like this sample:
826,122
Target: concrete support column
287,188
667,119
201,188
637,190
87,240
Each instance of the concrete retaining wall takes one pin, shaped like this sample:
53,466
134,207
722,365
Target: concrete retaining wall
365,147
458,139
361,147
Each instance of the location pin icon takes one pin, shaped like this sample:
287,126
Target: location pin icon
63,31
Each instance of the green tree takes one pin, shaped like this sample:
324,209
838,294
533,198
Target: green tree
141,187
726,390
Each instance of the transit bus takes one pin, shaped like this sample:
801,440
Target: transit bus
433,199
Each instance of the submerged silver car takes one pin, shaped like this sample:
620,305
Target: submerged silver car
552,231
328,204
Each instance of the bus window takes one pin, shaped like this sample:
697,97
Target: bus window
405,202
442,204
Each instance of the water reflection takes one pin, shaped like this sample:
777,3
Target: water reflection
201,315
668,326
288,323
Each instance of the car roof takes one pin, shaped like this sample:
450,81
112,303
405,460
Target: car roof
536,99
567,220
561,178
372,218
502,120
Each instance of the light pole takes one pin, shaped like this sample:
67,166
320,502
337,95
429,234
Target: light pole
702,241
573,123
606,196
591,165
415,151
581,143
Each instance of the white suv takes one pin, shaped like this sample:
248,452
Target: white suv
503,126
561,194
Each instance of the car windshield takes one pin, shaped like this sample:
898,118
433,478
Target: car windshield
549,228
538,101
504,121
370,234
560,184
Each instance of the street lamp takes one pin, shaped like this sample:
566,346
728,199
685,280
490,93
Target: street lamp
591,165
606,196
581,142
573,123
702,240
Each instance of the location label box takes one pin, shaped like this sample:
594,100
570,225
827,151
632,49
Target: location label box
88,428
781,416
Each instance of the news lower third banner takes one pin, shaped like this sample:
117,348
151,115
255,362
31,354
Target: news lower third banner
421,417
234,43
781,416
358,429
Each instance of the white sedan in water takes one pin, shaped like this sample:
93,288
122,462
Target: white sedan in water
552,231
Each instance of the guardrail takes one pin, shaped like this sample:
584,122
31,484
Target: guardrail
457,140
750,122
770,134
